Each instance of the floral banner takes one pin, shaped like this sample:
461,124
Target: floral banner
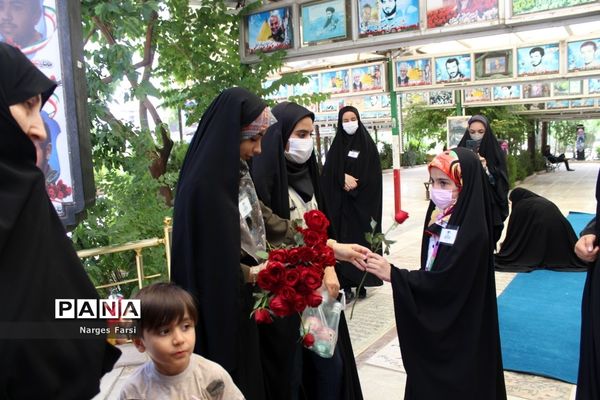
461,12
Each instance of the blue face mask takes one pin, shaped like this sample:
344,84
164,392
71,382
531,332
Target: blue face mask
442,198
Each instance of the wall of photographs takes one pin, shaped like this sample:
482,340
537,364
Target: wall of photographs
565,60
311,26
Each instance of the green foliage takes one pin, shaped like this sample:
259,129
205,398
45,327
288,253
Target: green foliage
421,123
165,56
386,156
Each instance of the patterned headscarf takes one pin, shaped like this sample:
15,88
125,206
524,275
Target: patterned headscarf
448,163
260,124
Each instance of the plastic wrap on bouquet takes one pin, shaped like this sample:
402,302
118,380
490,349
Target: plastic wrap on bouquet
322,323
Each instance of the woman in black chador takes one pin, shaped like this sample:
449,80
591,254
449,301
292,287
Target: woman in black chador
446,313
352,189
537,236
588,379
483,141
286,179
219,227
41,357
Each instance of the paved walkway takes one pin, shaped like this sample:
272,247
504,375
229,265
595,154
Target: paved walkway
372,327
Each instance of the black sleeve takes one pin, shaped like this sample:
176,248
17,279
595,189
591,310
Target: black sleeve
590,228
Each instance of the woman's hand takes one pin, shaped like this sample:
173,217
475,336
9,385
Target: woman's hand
378,266
483,162
331,282
350,182
585,249
350,252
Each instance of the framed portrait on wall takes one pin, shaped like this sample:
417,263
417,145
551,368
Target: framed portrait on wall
536,90
323,21
567,87
312,86
335,82
378,17
583,103
542,59
49,34
552,105
593,86
520,7
414,98
477,95
460,12
456,128
441,98
494,65
269,31
507,92
583,55
453,69
413,72
367,78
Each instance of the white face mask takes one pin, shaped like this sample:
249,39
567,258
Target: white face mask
476,136
300,150
350,127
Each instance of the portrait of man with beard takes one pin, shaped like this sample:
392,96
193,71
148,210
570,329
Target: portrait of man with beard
18,19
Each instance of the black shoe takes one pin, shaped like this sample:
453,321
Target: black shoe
349,295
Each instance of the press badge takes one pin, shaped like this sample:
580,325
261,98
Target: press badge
353,153
448,235
245,207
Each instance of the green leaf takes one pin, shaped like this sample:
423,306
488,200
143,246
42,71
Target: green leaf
262,255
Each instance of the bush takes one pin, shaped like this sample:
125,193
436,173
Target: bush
386,157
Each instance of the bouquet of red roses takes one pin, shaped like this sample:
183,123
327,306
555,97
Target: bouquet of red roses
292,276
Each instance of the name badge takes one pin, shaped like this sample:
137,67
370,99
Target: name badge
245,207
353,153
448,236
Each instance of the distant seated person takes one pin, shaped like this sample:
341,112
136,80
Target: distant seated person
554,159
538,237
166,332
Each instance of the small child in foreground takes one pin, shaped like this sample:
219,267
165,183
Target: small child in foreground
166,331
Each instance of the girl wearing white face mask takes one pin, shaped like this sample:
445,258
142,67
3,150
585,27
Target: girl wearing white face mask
448,306
286,178
352,190
493,160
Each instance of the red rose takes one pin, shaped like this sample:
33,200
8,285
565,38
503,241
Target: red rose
265,280
299,303
291,277
279,306
325,257
272,277
294,256
308,340
302,288
279,255
311,278
314,299
316,221
288,294
313,238
306,254
262,316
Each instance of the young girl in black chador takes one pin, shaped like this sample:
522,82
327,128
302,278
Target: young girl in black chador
446,313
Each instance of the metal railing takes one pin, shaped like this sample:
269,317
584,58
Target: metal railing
136,246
